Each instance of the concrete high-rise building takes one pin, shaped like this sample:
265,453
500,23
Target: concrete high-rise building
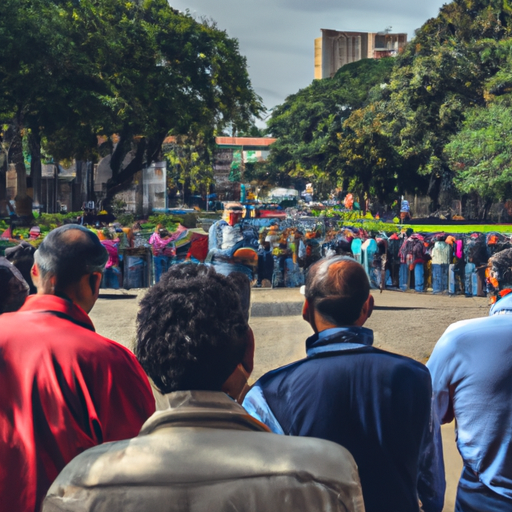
335,49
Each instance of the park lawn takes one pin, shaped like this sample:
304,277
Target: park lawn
461,228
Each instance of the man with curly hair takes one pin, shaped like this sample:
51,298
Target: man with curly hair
203,451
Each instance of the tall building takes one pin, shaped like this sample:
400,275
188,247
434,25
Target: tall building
335,49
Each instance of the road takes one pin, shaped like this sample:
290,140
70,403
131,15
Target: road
406,323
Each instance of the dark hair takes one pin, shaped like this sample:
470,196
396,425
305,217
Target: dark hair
22,257
337,289
242,285
191,330
70,252
13,288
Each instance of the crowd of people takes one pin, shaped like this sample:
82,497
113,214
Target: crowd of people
87,425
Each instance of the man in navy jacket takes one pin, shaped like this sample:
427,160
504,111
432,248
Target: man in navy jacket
375,403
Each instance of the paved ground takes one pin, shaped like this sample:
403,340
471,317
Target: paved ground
406,323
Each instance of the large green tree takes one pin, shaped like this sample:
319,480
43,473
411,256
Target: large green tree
440,75
140,70
307,125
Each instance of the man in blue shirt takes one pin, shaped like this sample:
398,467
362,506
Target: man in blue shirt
374,403
471,368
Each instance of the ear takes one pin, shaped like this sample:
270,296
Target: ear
371,305
366,311
95,282
236,385
248,360
306,311
34,274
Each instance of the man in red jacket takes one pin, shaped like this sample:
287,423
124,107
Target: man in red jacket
63,388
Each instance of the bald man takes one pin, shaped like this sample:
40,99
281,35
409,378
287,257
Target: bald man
374,403
63,388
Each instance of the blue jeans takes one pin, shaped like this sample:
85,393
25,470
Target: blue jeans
161,265
439,278
111,278
419,277
403,276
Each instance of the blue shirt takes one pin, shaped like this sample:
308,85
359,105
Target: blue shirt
374,403
471,368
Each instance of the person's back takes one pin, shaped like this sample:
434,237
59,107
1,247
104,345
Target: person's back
374,403
204,454
471,368
202,451
63,388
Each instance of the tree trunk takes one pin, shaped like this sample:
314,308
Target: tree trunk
434,188
486,209
23,201
34,141
3,184
77,201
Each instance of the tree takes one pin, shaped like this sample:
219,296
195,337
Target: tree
438,77
137,69
192,156
480,153
307,125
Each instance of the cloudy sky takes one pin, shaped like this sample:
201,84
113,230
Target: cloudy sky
277,36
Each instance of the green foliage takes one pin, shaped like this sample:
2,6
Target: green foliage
126,219
191,157
72,71
118,207
49,221
168,221
481,153
309,122
440,75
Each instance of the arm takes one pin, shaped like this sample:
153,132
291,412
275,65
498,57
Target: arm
256,405
125,398
431,479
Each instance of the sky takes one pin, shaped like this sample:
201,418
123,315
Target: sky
277,36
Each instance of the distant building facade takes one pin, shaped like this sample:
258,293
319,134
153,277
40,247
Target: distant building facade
336,48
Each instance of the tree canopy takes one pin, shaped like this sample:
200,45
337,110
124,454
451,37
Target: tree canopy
309,122
72,71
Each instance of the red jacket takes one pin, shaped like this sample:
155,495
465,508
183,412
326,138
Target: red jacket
63,389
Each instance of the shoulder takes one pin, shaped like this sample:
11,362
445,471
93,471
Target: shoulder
466,331
144,460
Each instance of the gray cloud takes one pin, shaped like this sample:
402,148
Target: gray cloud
277,36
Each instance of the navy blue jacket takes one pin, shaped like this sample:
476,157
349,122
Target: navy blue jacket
374,403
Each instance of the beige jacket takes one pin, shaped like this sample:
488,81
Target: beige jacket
206,454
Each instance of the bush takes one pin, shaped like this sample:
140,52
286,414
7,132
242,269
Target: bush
126,219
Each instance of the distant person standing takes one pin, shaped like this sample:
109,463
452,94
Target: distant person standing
63,388
405,211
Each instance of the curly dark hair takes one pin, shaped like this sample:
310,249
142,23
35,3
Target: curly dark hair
191,330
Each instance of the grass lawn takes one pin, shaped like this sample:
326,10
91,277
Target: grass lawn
458,228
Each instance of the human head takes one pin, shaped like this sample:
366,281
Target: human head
192,332
13,288
22,257
70,262
233,213
337,294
